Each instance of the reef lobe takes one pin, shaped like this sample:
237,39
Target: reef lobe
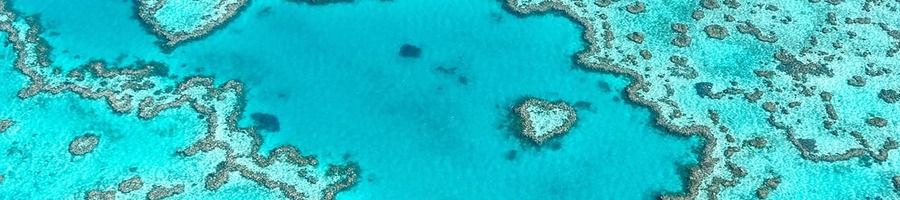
84,144
131,184
541,120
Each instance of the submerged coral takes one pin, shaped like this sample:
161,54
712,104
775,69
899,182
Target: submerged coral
541,120
774,71
224,152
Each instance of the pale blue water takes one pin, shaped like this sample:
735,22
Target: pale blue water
333,77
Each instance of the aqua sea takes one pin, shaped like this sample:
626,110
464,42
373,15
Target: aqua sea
437,126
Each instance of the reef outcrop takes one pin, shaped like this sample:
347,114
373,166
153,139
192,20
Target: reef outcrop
541,120
815,80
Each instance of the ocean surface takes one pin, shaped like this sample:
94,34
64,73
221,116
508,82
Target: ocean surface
434,126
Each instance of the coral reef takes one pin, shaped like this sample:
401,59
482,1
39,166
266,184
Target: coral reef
83,144
541,120
815,80
177,21
139,90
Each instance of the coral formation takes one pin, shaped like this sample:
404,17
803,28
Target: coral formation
140,90
811,81
541,120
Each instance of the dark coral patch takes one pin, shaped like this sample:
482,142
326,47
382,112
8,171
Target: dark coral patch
410,51
160,69
582,105
446,70
462,80
889,96
809,145
604,86
266,122
704,89
511,155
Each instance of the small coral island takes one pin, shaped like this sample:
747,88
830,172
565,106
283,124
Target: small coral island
541,120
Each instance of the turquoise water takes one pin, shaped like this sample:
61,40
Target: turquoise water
419,132
435,121
438,126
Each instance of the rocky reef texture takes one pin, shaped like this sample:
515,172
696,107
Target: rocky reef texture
83,144
5,124
131,184
541,120
222,153
176,21
162,192
786,89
